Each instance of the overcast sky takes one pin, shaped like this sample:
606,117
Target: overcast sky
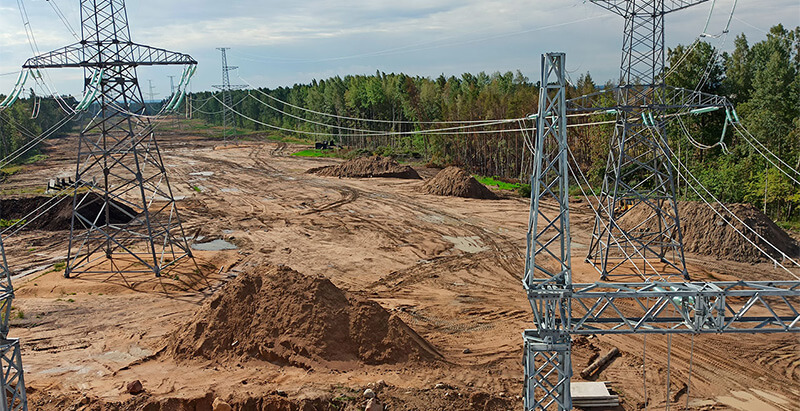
280,43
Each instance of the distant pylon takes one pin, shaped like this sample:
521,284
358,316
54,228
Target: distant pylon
226,87
124,218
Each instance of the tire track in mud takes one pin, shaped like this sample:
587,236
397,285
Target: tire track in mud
347,196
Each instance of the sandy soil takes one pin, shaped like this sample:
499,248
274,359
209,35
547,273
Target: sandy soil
449,267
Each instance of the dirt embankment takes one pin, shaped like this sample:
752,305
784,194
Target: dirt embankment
707,233
704,232
453,181
55,213
367,167
279,315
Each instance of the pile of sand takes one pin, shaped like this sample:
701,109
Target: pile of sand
453,181
375,166
55,213
706,233
279,315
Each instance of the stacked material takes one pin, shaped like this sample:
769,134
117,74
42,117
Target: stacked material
592,394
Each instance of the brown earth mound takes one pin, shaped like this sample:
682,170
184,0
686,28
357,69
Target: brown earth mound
706,233
453,181
375,166
279,315
55,213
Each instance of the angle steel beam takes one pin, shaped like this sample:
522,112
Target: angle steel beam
548,369
550,181
12,381
668,100
107,54
627,7
671,308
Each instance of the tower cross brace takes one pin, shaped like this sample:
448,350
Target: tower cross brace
124,214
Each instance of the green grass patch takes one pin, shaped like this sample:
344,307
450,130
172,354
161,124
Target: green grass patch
10,170
316,153
789,225
495,182
524,190
8,223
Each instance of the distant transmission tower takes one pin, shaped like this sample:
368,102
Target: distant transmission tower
124,216
151,91
226,87
638,190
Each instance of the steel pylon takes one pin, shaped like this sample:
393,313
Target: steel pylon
548,269
562,309
227,101
641,222
12,382
124,214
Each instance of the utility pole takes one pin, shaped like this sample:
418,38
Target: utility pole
226,87
124,218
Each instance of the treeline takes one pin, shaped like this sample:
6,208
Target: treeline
399,103
23,122
761,79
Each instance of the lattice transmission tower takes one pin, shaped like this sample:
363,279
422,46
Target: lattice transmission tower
124,218
638,189
562,309
226,87
12,383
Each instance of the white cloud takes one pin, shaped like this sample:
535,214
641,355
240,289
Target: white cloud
280,42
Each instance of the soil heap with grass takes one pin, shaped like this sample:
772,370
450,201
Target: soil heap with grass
367,167
453,181
279,315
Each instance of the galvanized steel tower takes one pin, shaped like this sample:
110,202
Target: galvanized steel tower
124,214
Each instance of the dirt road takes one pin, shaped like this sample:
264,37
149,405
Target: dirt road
449,267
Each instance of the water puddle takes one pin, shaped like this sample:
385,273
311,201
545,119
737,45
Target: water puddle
216,245
467,244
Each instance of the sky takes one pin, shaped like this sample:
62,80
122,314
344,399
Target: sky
280,43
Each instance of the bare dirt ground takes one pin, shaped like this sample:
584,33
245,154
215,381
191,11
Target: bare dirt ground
449,267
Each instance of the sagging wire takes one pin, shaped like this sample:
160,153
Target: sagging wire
601,208
35,49
670,154
63,19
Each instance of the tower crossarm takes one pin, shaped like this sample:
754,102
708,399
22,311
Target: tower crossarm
666,99
674,308
105,54
626,8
